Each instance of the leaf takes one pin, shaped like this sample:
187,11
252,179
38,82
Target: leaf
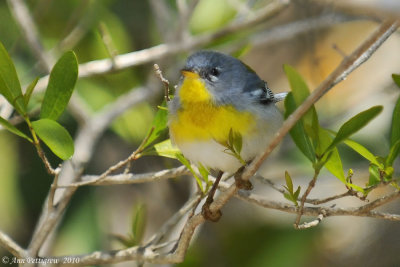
10,87
138,223
288,196
62,81
186,162
357,188
13,129
164,149
396,79
235,142
354,124
333,162
298,133
289,182
55,137
362,151
393,153
297,193
300,91
395,131
29,91
204,172
374,175
159,125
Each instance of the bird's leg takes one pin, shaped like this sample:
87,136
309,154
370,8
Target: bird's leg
205,210
240,183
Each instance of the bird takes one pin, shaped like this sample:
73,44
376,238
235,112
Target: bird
217,99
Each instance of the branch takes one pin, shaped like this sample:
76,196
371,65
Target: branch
147,253
7,243
130,178
171,222
85,142
29,32
102,66
362,211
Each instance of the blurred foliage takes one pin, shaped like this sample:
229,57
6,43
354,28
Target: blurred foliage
271,245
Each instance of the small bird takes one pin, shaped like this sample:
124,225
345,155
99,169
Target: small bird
219,95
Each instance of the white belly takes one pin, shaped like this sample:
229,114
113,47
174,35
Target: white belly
215,156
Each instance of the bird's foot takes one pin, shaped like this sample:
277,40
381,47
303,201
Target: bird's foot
240,183
209,215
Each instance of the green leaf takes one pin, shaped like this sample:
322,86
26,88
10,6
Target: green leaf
297,193
164,149
298,133
354,124
357,188
55,137
138,223
186,162
62,81
159,126
395,132
204,172
237,142
362,151
300,92
10,87
394,152
288,196
13,129
333,162
396,79
29,91
289,182
374,175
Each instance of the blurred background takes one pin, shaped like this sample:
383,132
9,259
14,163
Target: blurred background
311,35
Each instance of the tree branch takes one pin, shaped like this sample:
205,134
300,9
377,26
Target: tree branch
147,254
70,171
130,178
7,243
29,32
102,66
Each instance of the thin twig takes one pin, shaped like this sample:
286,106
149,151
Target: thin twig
173,220
53,188
130,178
361,211
7,243
304,198
108,43
29,32
329,199
159,74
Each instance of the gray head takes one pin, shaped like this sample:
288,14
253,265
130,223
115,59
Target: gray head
228,79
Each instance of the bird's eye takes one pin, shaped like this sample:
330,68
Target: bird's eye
214,72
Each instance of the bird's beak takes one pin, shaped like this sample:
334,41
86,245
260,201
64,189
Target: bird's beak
190,74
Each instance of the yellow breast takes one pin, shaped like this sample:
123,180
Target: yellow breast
200,119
